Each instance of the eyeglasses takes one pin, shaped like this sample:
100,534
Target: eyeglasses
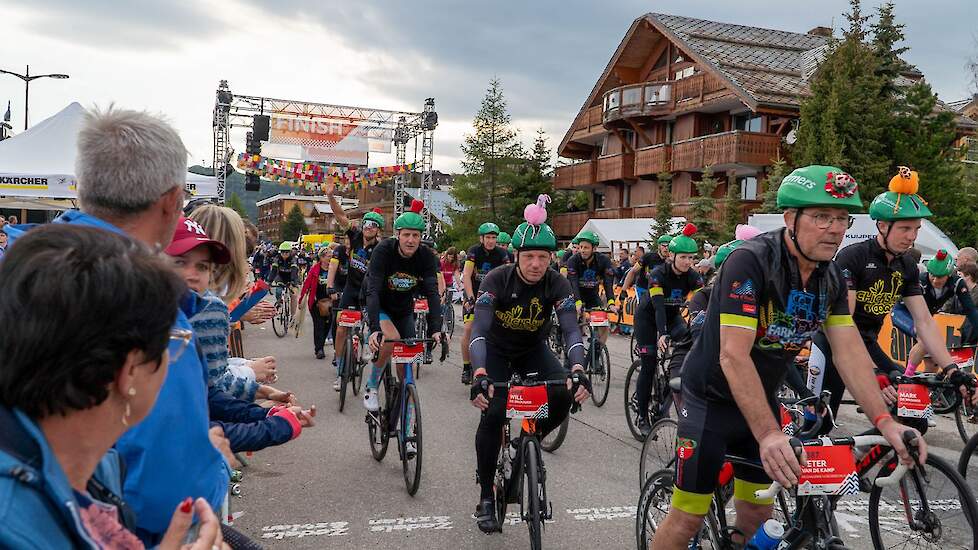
370,223
824,221
179,341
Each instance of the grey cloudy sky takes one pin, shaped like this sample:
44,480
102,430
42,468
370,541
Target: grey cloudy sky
168,56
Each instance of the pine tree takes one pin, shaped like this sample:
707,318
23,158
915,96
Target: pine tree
731,211
294,225
235,203
532,178
702,206
887,33
663,205
771,184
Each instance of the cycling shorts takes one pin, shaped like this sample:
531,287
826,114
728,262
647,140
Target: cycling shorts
591,301
708,431
403,324
350,298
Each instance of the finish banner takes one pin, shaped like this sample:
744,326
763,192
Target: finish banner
318,140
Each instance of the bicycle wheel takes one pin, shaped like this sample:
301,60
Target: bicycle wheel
632,350
377,423
345,373
970,450
631,403
600,375
966,419
449,315
937,512
555,438
659,449
944,400
280,320
411,433
531,504
653,505
501,489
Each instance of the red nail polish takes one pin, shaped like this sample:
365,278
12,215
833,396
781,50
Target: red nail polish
186,506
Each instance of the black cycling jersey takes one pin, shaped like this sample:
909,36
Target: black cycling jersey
359,256
342,257
878,283
484,261
669,290
284,270
937,297
649,261
587,276
392,281
760,289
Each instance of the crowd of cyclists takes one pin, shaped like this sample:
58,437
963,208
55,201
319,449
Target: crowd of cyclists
94,426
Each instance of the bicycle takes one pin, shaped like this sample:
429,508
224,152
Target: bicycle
283,311
353,361
661,395
448,314
400,411
598,361
520,473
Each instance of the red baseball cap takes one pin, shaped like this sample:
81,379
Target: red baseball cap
189,235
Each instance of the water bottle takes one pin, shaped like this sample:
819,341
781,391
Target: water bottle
767,537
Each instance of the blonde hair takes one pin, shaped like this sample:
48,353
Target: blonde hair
225,226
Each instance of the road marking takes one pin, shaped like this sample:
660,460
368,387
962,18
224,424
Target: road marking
327,529
410,524
604,513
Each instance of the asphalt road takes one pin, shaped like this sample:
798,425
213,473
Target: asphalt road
325,490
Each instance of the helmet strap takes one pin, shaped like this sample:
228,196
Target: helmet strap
886,240
793,234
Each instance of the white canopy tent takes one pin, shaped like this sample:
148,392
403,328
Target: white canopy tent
40,164
625,233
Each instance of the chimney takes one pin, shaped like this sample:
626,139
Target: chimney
821,31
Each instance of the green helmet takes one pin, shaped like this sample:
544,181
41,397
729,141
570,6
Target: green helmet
560,254
941,265
724,250
488,228
588,236
664,239
683,243
376,216
412,218
817,185
503,238
534,237
901,202
286,245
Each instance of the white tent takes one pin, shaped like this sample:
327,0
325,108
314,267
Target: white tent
619,233
40,162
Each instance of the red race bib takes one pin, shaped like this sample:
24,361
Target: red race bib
913,401
404,354
527,402
599,318
830,470
421,306
350,317
964,358
787,422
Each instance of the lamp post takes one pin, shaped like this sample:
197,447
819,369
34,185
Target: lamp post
26,77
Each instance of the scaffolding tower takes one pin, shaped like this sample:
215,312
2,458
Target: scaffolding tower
238,111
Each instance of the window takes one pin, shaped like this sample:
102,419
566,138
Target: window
685,73
748,188
631,96
748,122
628,136
598,200
612,100
626,197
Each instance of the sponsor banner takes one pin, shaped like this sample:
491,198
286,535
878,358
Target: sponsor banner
55,186
913,401
829,470
404,354
527,402
202,188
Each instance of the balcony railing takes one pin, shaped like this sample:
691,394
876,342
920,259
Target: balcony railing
624,212
616,167
652,160
590,123
575,176
728,148
660,98
569,224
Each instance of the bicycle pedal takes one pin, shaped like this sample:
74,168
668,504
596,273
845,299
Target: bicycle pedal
549,513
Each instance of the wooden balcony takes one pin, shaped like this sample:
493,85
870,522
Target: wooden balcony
613,213
579,175
725,150
616,167
652,160
591,124
653,99
568,224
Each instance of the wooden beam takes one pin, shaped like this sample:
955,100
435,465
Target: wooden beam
638,130
623,141
654,56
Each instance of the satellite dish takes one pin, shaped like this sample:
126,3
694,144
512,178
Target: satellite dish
792,137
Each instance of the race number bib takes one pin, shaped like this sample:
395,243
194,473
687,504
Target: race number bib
599,319
350,317
829,470
405,354
421,306
964,358
913,401
787,422
527,402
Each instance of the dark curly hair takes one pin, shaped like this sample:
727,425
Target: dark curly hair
74,301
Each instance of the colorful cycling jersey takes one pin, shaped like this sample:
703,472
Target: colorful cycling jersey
759,289
649,261
285,270
587,276
358,255
483,261
669,290
393,280
522,312
878,283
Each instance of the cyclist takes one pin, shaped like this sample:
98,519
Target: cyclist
773,293
285,273
658,318
878,273
398,267
481,259
512,321
504,241
939,285
638,275
356,255
587,271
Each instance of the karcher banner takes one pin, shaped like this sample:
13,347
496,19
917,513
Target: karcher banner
56,187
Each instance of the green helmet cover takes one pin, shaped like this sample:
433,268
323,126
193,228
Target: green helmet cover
503,238
683,243
724,250
488,228
664,239
375,217
534,237
560,253
891,207
941,265
286,245
412,218
816,185
588,236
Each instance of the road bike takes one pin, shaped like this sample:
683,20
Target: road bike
597,360
353,360
283,318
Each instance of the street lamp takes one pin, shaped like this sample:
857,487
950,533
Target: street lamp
26,77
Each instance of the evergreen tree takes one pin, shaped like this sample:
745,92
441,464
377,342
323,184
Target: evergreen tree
702,206
771,184
235,203
294,225
887,33
731,211
533,178
663,205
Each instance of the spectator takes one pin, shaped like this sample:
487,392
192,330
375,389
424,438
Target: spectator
705,268
12,220
967,255
969,273
3,244
226,227
63,407
623,266
320,303
450,266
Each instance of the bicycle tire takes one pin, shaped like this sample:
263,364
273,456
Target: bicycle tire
530,495
449,315
912,481
944,400
659,449
601,379
501,488
345,374
280,320
631,404
377,430
632,351
556,437
963,416
411,466
655,500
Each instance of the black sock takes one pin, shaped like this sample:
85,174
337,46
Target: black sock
487,491
466,366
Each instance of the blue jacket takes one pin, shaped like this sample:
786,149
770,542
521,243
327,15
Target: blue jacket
168,455
38,508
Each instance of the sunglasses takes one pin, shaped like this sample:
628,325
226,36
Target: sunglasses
369,223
